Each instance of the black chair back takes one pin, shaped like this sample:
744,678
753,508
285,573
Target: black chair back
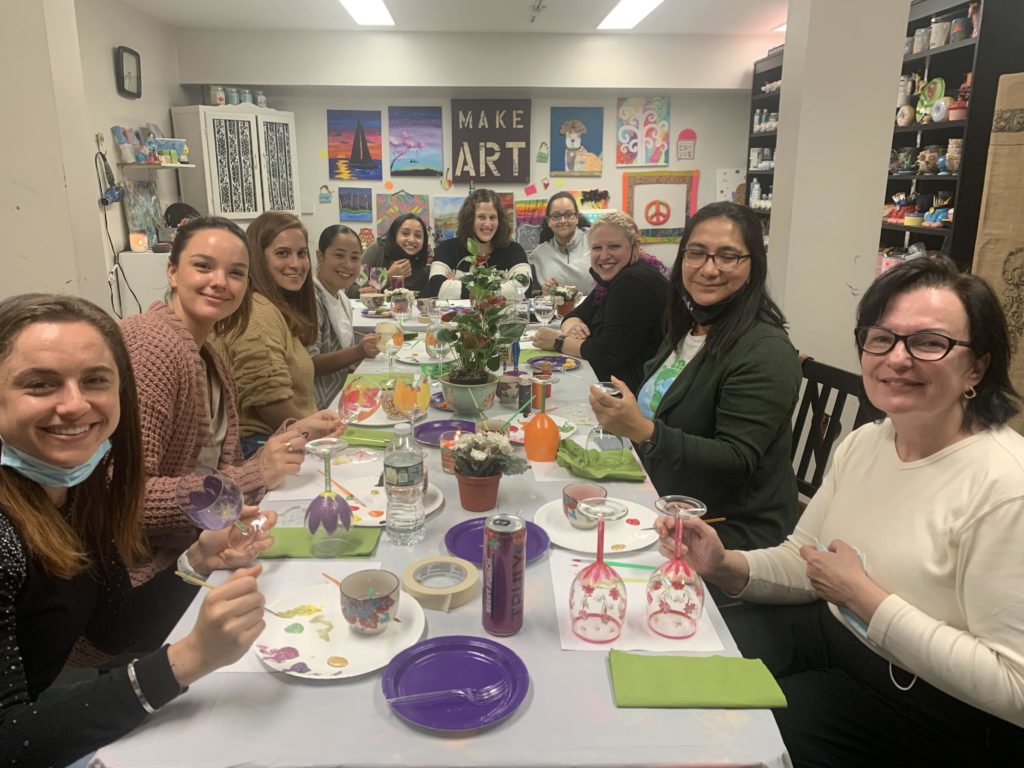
818,422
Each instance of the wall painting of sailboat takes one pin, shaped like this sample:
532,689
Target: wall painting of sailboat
354,144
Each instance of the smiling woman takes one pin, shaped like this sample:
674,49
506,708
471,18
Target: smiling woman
404,252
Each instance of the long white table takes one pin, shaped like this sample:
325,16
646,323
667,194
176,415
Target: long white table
569,717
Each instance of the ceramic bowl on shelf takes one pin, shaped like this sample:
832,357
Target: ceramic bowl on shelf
913,220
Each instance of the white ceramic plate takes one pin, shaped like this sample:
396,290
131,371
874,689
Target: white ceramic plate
372,514
566,428
317,643
619,536
418,355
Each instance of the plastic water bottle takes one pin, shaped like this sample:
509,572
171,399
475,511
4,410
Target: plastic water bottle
403,482
755,194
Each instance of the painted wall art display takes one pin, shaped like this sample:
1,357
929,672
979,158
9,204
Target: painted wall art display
355,204
491,140
660,202
390,207
142,208
446,216
731,185
577,136
686,144
354,144
641,131
529,218
415,141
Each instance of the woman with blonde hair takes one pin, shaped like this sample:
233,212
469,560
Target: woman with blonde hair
269,360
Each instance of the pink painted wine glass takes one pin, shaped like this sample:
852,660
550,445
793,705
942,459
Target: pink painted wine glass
675,592
597,597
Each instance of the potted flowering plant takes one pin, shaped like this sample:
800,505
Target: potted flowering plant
476,337
481,459
564,297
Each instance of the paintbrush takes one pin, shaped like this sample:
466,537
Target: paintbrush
200,583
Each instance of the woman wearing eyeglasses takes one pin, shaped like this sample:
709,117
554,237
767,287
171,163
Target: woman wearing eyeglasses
712,418
901,640
563,255
618,326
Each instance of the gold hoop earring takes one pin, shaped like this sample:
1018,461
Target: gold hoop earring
970,394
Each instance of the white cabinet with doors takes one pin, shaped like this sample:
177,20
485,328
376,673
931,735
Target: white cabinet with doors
246,156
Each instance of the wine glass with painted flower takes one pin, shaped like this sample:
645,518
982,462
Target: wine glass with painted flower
412,396
391,334
675,593
597,597
329,508
212,501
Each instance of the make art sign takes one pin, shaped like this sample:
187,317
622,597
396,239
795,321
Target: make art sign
491,140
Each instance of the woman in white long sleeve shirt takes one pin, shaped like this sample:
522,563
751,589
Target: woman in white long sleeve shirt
903,642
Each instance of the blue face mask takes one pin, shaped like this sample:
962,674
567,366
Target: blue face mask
46,474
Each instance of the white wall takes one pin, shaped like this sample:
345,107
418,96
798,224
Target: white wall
103,25
720,120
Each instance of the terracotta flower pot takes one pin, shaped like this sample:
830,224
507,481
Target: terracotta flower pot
478,494
565,307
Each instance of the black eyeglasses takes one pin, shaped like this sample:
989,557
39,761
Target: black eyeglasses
723,260
559,216
923,345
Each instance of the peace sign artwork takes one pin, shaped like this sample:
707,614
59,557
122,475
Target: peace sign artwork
660,202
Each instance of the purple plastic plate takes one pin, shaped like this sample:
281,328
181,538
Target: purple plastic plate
558,362
386,315
466,540
456,661
429,432
437,401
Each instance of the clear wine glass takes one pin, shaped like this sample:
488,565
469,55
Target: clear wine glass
401,306
393,337
436,349
362,278
329,508
544,309
378,278
675,592
213,501
597,597
599,438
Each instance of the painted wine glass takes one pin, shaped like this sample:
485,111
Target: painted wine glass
401,305
358,400
213,501
412,396
675,593
329,508
393,337
597,597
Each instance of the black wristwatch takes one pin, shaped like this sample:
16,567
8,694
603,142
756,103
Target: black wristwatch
559,342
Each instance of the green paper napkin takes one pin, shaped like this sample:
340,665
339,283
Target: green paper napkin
299,542
368,437
598,465
693,682
370,378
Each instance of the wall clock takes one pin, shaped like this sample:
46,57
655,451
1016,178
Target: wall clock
128,72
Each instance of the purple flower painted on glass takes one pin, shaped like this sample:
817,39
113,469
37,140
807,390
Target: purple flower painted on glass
216,505
327,510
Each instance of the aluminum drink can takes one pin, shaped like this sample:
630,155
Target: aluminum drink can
504,577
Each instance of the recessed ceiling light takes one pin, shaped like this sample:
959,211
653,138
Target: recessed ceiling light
780,28
369,13
628,13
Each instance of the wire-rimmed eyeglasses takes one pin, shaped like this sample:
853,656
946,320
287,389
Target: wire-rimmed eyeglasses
923,345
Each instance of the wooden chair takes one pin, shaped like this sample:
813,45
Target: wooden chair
818,421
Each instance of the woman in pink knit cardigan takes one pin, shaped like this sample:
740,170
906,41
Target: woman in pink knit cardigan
187,399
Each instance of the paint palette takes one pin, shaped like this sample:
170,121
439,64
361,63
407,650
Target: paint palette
312,640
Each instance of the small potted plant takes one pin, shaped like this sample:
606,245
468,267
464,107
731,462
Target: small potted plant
481,459
476,337
564,297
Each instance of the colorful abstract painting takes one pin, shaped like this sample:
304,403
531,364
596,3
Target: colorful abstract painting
660,202
446,217
389,207
355,204
414,141
577,136
354,144
529,218
642,131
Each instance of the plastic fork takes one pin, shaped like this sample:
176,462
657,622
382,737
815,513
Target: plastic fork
477,696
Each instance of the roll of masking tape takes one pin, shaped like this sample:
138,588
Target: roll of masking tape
441,583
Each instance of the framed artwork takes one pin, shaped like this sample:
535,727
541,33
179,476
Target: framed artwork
354,144
491,140
660,202
355,204
577,136
446,216
415,142
641,131
529,218
389,207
